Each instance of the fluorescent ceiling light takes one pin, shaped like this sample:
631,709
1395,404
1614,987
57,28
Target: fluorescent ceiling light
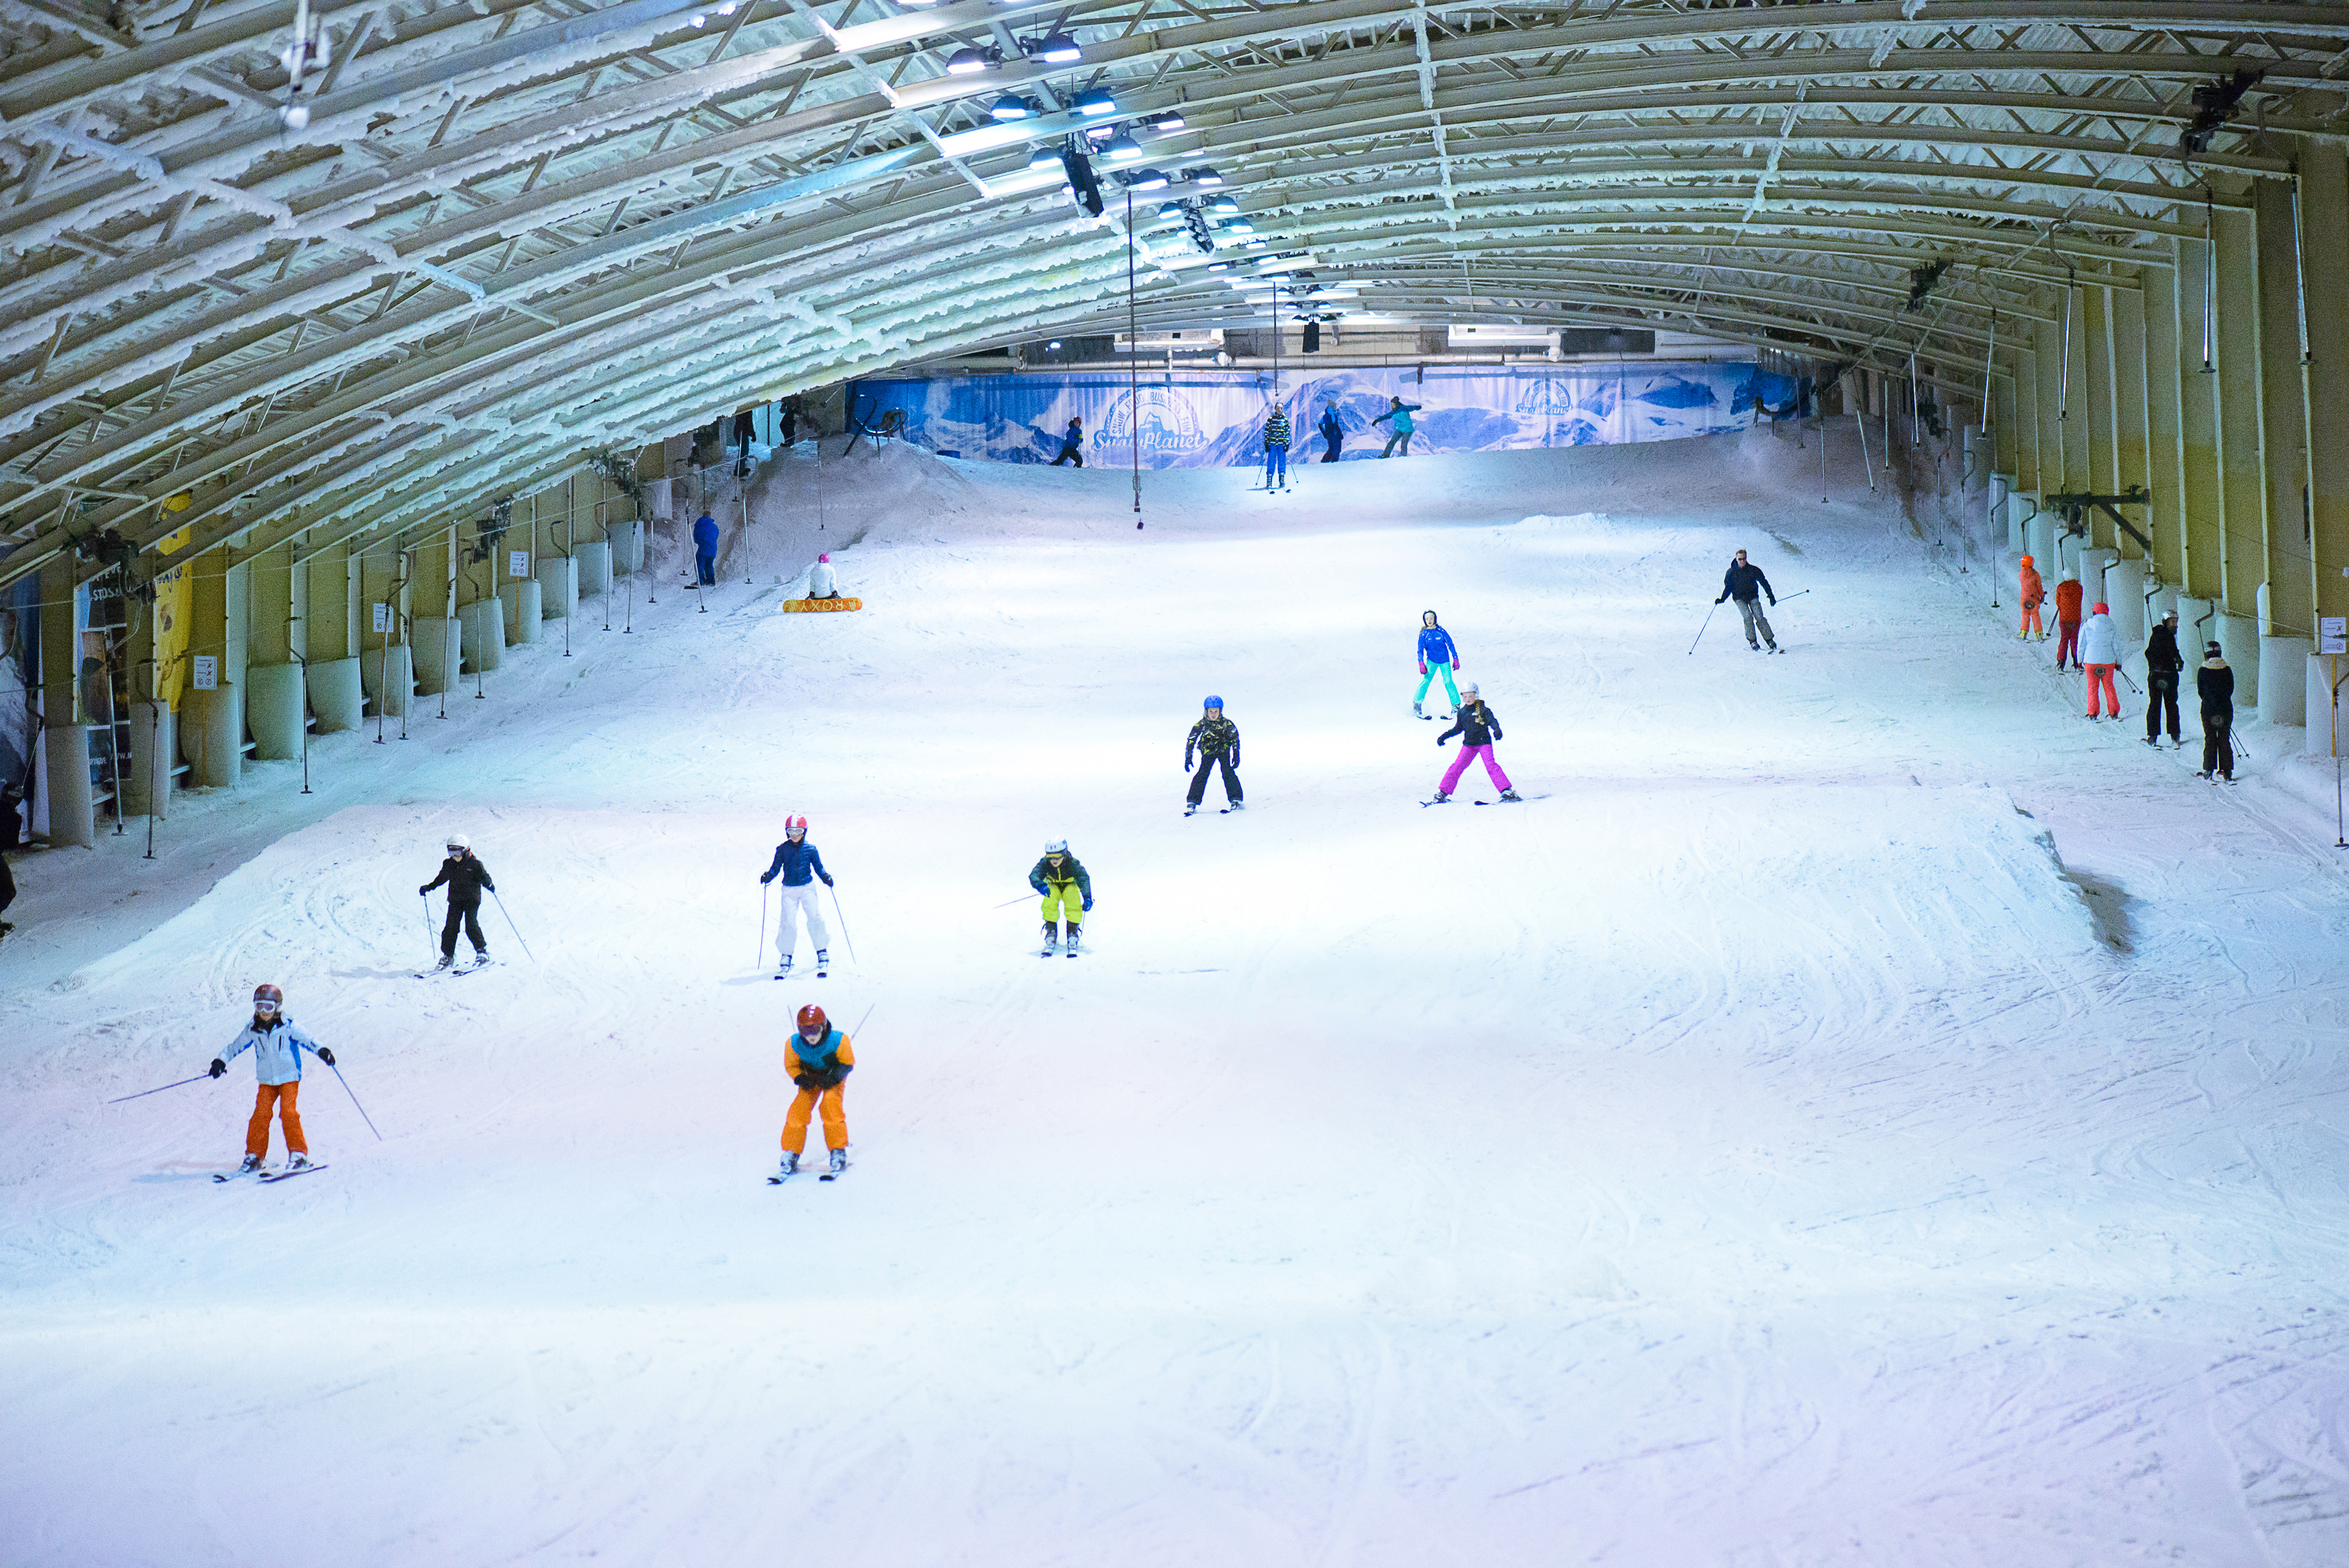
1204,175
1011,106
1044,157
1224,206
1239,226
1060,49
1121,149
1150,179
1096,102
964,61
1171,120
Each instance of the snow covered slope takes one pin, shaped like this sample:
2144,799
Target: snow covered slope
1854,1113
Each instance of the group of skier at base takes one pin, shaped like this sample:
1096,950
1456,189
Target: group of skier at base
1277,433
2093,647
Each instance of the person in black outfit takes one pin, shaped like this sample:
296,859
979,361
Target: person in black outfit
746,430
12,832
1332,432
466,877
1745,583
1073,444
1216,739
2214,683
2162,666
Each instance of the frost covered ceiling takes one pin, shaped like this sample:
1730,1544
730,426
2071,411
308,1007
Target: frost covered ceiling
511,231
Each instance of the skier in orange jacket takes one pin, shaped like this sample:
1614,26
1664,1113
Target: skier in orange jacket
819,1059
2034,590
2068,595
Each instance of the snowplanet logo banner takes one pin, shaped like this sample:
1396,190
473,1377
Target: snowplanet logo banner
1170,423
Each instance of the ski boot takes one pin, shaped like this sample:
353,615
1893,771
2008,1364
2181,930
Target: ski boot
252,1163
481,958
1051,936
839,1161
790,1164
1417,711
783,970
823,962
1189,809
1511,794
300,1161
1238,806
446,960
1441,797
1074,931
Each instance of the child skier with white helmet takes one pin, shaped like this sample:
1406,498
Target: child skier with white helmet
277,1046
1068,893
1437,656
1216,739
466,879
819,1059
800,866
1477,726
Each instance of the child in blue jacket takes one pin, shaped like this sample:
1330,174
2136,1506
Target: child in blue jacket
277,1046
1437,656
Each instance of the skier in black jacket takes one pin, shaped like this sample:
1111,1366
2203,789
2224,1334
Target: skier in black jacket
2214,683
1477,726
1216,739
466,879
1742,583
12,828
2163,665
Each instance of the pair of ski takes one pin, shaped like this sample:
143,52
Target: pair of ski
1454,800
779,1178
453,970
265,1177
786,974
1048,952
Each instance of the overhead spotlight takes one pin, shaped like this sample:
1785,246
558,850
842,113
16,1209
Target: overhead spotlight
964,61
1101,132
1149,179
1240,226
1171,120
1252,244
1095,101
1204,175
1219,266
1011,106
697,19
1053,345
1058,49
1122,148
727,9
1224,206
1044,157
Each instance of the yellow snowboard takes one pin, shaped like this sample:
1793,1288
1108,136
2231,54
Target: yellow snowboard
807,606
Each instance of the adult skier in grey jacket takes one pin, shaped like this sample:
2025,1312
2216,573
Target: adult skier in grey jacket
277,1046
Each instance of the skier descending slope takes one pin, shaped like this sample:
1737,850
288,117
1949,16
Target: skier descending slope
1216,739
819,1060
801,865
466,877
277,1046
1477,727
1068,893
1437,656
1276,449
1745,583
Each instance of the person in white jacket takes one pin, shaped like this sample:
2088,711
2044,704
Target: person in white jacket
277,1046
822,581
2100,652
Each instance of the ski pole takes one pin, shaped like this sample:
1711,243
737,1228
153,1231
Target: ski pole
1023,898
513,927
430,946
355,1100
760,956
1798,593
143,1093
844,923
1700,630
2237,745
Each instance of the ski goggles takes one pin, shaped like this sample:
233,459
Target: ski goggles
264,1006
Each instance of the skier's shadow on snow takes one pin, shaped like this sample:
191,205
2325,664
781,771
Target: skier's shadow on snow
2110,906
376,973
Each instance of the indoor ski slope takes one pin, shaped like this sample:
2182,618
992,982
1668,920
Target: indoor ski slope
1854,1113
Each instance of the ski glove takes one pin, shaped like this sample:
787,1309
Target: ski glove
806,1080
1724,599
218,1067
1422,666
1087,906
827,882
424,892
1439,742
327,1055
765,880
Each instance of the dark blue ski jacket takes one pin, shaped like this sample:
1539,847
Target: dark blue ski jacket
797,862
705,537
1435,647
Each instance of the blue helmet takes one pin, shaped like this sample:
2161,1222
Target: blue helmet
1215,702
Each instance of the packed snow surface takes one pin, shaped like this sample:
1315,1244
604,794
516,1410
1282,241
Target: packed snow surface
1855,1112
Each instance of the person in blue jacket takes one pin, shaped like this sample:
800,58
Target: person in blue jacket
1400,412
705,549
799,864
1437,656
277,1046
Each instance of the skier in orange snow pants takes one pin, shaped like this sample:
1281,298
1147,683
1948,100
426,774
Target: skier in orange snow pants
819,1060
2068,593
2034,590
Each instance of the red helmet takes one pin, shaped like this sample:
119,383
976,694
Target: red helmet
811,1017
269,993
794,825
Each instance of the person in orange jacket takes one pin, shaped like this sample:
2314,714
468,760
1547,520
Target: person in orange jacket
2034,590
819,1060
2068,595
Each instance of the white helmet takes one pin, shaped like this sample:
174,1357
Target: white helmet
1056,846
459,841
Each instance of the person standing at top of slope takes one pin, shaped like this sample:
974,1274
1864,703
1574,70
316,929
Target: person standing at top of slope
819,1059
1072,444
1400,412
1216,739
1068,893
799,864
277,1046
1743,582
1477,727
823,581
1437,656
2034,590
466,879
2068,595
1333,434
2100,653
705,549
2162,666
1276,447
2214,683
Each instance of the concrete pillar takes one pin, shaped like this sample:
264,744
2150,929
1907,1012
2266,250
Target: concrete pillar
389,677
2291,584
2094,403
213,722
484,637
2010,508
558,586
595,568
335,689
272,706
2039,542
2238,640
2067,557
2131,442
2027,470
2243,468
2203,505
628,547
329,627
438,645
2197,622
520,600
2124,590
272,613
153,754
2092,577
2165,450
2283,679
2324,245
72,815
2317,702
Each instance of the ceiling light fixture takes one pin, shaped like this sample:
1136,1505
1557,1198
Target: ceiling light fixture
1122,148
1044,157
1205,176
1011,106
1171,120
1149,179
1095,102
1224,206
1060,49
965,61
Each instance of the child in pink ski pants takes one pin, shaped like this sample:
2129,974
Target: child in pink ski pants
1478,727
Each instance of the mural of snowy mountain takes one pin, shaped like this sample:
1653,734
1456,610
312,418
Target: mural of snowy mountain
1214,418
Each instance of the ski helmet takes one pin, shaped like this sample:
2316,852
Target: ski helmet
2027,561
2102,610
825,558
1217,702
265,992
811,1017
1056,846
795,827
459,841
1469,689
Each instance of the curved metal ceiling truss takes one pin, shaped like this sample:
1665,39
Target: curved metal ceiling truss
514,230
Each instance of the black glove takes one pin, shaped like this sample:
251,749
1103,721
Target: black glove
827,882
1439,741
424,892
218,1067
806,1080
1721,599
765,880
1773,601
1187,762
327,1055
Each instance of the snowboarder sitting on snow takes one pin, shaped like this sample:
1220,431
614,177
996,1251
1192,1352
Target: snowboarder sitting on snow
466,877
1073,444
819,1060
1477,727
1216,739
1401,413
2163,665
1068,892
277,1046
823,581
1276,449
1743,582
705,549
2068,595
1436,656
2214,683
800,864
